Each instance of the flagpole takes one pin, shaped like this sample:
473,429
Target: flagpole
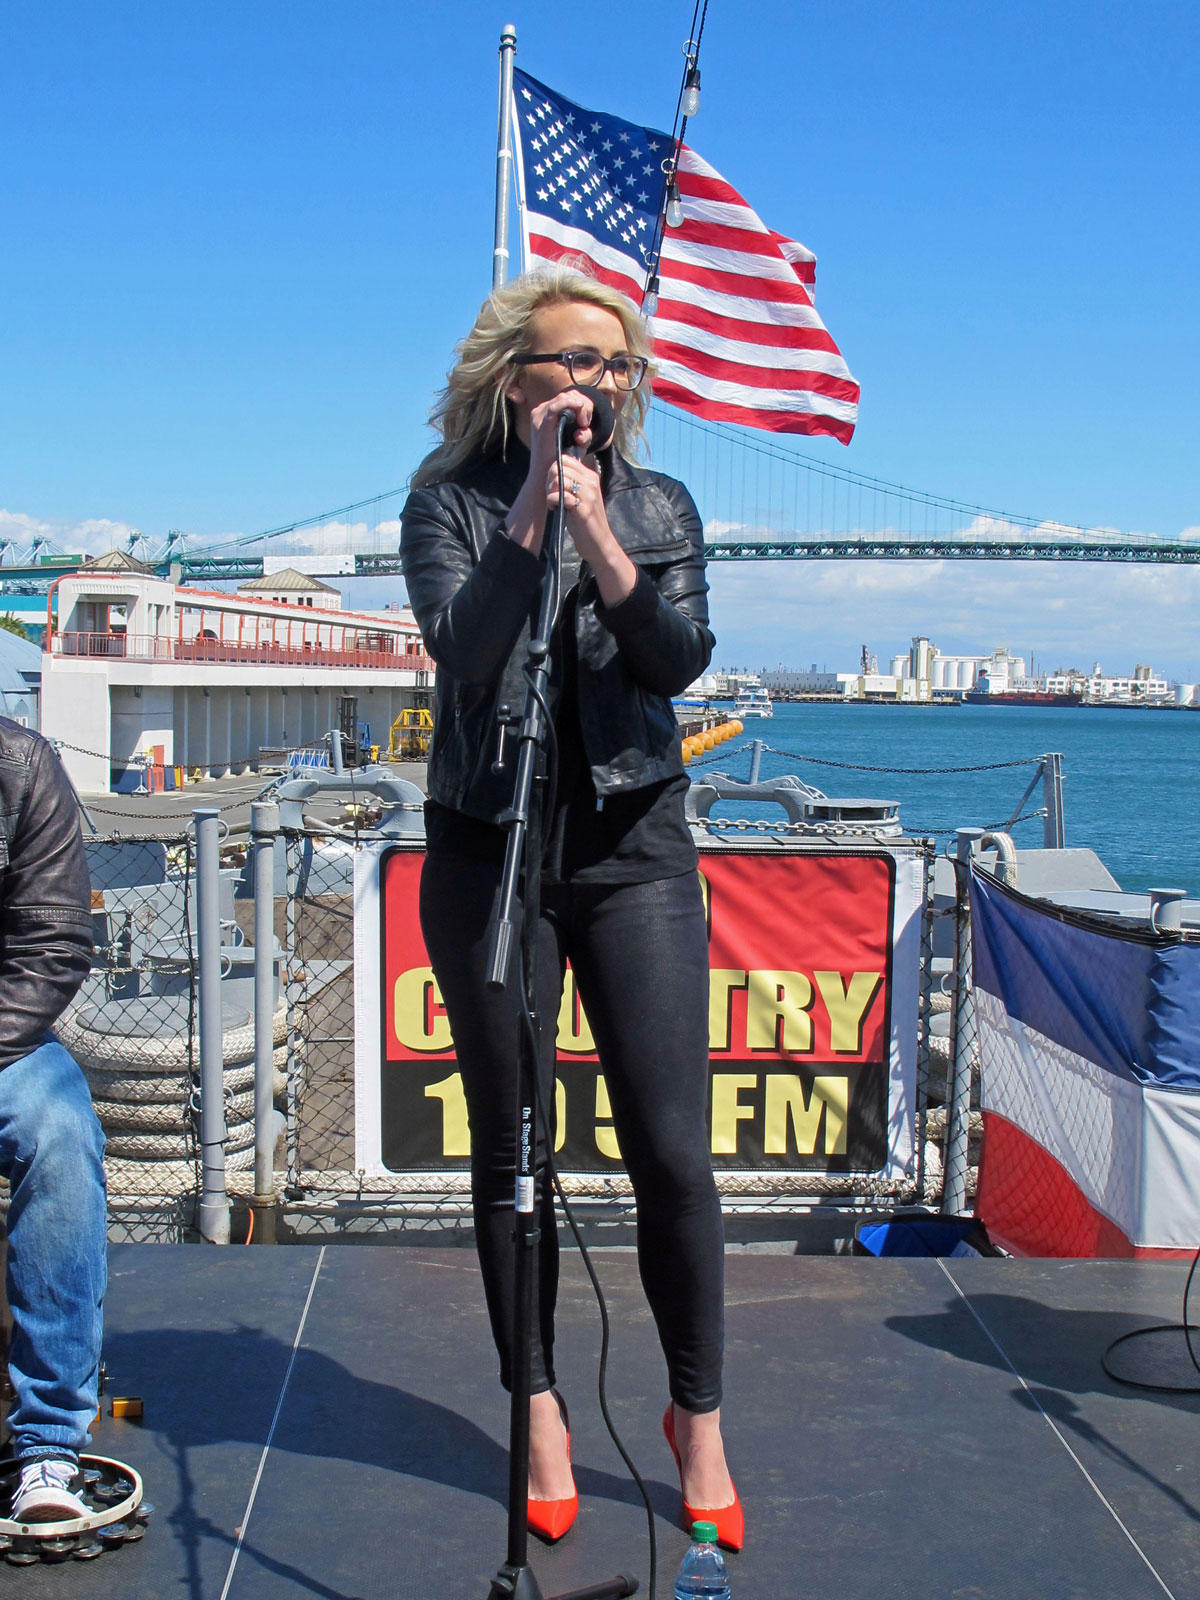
504,155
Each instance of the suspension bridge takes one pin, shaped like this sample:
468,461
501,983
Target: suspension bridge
761,500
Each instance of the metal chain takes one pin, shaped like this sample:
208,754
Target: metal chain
915,772
718,755
988,827
799,830
113,761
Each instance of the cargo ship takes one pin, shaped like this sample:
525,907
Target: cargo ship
1022,697
1032,692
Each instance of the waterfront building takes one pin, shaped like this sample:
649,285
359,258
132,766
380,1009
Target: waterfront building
783,680
1100,688
722,683
143,675
882,686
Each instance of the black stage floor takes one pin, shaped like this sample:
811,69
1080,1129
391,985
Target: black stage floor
896,1428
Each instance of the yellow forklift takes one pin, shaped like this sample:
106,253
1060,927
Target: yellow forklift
410,735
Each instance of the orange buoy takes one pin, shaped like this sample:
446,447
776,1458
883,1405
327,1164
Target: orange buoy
735,727
706,739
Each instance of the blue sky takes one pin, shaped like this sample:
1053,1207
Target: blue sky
241,240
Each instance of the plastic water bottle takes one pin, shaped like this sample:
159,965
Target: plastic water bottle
703,1571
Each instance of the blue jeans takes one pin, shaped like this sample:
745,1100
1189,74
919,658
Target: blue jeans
51,1148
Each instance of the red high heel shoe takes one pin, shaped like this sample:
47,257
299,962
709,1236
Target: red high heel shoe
729,1520
550,1519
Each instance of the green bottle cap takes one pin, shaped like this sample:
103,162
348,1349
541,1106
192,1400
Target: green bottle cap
704,1532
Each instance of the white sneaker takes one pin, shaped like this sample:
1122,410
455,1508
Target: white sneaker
49,1491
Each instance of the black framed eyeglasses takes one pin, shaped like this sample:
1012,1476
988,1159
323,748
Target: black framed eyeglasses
587,366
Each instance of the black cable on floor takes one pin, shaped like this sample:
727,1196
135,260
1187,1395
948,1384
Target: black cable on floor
1187,1328
602,1372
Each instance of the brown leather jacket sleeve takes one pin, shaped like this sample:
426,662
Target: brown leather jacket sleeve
45,908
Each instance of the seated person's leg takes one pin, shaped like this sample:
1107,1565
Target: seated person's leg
51,1148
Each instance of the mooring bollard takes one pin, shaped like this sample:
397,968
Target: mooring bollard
1166,910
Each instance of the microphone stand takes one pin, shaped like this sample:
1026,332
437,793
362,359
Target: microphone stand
523,821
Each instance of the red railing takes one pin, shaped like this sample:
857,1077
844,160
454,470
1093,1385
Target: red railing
148,647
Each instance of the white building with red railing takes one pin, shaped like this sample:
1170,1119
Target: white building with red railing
140,672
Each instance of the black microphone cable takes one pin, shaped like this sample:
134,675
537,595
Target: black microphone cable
1188,1329
597,1289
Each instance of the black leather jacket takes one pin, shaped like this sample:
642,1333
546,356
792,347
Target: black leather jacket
45,893
474,593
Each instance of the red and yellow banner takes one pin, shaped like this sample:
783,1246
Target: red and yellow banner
811,1022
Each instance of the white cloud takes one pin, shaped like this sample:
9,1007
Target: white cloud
797,612
336,538
94,536
97,535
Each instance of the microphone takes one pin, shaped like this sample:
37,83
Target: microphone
604,420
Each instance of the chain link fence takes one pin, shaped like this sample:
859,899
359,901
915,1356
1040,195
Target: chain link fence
315,923
134,1028
317,931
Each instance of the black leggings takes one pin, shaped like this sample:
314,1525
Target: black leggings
640,957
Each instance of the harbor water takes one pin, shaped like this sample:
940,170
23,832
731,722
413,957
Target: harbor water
1130,776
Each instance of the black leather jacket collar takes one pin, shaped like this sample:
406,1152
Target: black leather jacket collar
474,594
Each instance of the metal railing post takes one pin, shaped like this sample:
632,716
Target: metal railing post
924,1015
264,829
964,1045
294,847
1054,833
214,1199
756,752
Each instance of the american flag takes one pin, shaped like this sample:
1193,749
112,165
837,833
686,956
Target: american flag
736,335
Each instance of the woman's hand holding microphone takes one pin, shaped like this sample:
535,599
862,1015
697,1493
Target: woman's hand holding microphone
579,489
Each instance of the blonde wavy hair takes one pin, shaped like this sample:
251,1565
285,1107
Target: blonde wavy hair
473,414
